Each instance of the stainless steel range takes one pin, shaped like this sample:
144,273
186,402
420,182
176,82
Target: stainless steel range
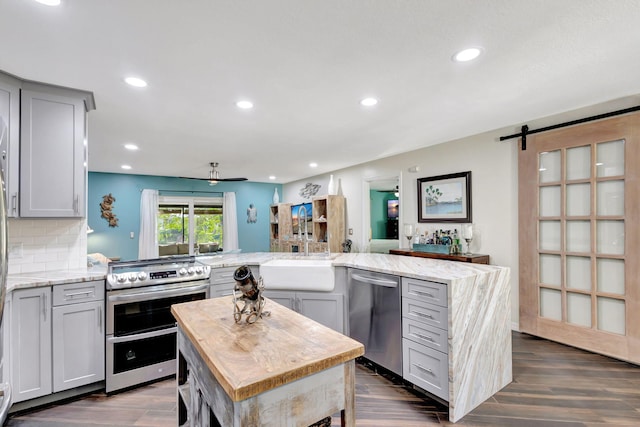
141,331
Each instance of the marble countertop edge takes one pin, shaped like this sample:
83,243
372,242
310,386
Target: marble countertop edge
418,268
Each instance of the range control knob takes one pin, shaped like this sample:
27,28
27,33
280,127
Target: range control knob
191,270
121,278
182,271
142,276
198,270
133,277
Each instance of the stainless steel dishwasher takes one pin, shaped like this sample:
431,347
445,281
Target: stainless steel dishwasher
375,318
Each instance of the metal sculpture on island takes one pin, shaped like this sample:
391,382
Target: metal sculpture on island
249,291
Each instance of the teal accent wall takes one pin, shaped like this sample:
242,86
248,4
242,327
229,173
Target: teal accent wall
378,200
126,188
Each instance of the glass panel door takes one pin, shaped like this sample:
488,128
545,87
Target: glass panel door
579,233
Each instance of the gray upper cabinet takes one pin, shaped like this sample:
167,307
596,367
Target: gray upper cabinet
52,155
10,140
43,148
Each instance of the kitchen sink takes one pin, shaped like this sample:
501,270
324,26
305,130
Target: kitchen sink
298,274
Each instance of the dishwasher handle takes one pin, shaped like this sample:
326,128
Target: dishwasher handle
375,281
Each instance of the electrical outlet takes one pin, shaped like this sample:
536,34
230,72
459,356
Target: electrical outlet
131,235
15,250
351,232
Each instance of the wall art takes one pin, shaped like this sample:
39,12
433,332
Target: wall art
445,198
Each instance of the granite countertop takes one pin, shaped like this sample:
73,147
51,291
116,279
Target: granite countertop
59,277
419,268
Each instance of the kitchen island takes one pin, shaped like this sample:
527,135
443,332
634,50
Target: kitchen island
285,369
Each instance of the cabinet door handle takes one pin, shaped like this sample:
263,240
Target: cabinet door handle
14,202
424,337
417,313
426,294
70,295
100,318
422,368
75,204
44,306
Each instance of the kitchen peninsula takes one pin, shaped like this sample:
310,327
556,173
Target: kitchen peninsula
474,321
474,304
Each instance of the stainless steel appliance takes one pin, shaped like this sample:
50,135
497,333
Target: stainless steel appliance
375,317
5,388
141,331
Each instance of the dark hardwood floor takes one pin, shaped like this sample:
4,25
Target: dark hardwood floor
553,385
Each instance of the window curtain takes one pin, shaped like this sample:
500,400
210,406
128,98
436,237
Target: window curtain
229,223
148,237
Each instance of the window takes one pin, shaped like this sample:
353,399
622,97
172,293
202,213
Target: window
189,225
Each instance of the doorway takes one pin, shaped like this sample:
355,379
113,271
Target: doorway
381,214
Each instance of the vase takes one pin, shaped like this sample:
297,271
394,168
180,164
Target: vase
331,189
276,197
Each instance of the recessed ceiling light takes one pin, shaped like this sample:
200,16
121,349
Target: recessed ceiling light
135,82
467,54
244,105
132,147
49,2
313,165
125,167
369,102
272,177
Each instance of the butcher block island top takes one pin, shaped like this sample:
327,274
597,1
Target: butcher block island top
248,360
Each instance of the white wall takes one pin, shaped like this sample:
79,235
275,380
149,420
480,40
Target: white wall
494,167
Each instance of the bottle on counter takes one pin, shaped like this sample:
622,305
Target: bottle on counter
456,242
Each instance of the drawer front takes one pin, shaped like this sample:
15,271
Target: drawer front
424,290
421,333
222,276
220,291
424,312
426,368
72,293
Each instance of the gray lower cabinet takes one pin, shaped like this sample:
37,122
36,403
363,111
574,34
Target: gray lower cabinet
425,360
31,343
57,338
324,307
78,335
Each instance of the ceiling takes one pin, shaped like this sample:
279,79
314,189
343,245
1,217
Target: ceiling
306,65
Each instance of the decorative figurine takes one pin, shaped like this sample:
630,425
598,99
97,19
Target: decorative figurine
106,209
251,293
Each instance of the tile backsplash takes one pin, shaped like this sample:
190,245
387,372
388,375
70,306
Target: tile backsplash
37,245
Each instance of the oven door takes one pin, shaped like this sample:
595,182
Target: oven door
140,310
141,332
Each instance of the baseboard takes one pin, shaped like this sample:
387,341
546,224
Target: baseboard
56,397
515,326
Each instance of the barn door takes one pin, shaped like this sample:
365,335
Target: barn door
579,234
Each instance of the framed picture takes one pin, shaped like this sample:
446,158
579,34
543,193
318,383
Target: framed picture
445,198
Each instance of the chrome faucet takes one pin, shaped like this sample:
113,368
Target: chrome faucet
306,229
